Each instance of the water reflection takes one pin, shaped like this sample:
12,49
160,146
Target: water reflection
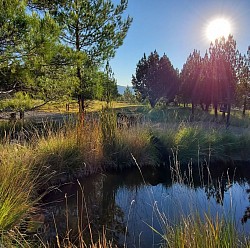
246,215
133,204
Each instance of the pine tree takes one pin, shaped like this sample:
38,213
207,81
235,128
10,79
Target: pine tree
190,79
94,29
223,71
155,78
243,75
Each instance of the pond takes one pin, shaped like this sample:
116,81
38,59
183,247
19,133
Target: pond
136,206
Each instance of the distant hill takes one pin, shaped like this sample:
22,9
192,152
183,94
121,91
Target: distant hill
121,89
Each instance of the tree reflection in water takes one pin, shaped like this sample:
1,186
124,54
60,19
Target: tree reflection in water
105,200
246,215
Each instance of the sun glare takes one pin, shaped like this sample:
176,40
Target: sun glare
218,28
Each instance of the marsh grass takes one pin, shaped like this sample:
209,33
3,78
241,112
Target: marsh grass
72,152
57,155
118,144
8,129
177,115
19,183
238,120
197,143
192,231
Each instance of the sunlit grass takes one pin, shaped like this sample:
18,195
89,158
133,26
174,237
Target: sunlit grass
91,106
57,156
192,231
18,184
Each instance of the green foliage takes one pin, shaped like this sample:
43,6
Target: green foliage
13,28
190,79
128,96
54,49
39,64
94,27
155,78
20,101
243,85
212,79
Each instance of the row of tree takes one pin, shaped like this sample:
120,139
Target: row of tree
220,78
52,49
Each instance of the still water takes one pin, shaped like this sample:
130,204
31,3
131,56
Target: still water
135,206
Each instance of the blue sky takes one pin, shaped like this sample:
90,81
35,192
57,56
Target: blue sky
176,27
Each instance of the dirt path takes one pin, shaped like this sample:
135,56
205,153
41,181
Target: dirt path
38,116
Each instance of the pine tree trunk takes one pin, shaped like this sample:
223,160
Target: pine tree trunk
244,106
21,114
207,107
80,98
228,114
79,76
216,111
192,115
202,106
192,108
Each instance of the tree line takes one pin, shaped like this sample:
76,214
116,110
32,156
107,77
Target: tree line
220,78
56,49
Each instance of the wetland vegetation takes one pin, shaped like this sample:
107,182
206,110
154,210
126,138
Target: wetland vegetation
53,155
166,166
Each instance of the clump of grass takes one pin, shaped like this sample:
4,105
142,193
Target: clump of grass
72,152
190,140
18,185
222,143
238,120
193,142
192,231
119,144
8,129
108,130
136,141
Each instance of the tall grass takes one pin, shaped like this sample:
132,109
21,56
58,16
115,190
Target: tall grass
192,231
53,157
196,143
18,192
119,144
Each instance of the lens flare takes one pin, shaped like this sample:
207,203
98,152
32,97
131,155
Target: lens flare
218,28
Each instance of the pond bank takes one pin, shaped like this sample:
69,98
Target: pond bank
71,152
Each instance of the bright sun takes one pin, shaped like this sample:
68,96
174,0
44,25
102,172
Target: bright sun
218,28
